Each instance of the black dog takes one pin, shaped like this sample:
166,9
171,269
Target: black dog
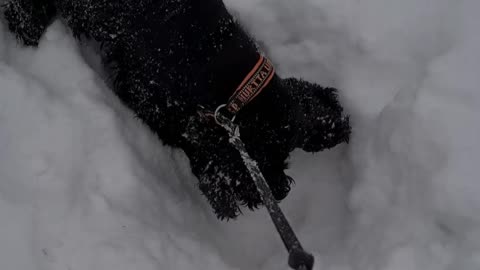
166,58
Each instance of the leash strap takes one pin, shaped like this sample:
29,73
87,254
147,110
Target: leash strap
253,84
299,259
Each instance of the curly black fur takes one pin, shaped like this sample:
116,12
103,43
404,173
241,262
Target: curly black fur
167,57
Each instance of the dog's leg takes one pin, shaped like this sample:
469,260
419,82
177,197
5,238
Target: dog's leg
223,177
216,164
28,19
153,104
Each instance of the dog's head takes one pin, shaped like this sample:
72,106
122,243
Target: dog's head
291,114
320,120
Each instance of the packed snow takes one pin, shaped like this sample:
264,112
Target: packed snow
85,185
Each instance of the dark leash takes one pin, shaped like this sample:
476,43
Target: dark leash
298,258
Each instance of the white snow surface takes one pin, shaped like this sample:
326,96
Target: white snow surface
84,185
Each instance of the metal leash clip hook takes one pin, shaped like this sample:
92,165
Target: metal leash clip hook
220,118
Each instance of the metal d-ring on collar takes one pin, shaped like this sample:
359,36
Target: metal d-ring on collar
220,118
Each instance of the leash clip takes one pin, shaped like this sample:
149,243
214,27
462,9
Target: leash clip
220,118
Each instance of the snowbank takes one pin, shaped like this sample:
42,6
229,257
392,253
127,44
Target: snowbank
84,185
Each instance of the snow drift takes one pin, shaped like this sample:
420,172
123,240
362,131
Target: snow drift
84,185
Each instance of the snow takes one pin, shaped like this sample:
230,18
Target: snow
84,185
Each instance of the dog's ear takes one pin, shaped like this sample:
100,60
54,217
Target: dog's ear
28,19
320,118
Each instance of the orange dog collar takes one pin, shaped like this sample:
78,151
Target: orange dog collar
253,84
